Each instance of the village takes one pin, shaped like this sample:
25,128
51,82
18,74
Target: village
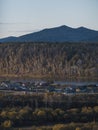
45,87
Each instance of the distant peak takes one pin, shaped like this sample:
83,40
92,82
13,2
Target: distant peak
84,28
81,27
64,26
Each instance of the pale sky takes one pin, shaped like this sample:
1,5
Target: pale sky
18,17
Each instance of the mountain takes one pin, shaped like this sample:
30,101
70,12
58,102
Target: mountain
58,34
8,39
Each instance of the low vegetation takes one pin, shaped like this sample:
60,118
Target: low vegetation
34,110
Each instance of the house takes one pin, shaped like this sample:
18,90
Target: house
68,90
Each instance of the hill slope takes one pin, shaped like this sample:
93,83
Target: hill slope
62,60
58,34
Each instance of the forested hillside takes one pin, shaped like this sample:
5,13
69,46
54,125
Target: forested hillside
50,60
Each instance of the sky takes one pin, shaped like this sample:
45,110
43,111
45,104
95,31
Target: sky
19,17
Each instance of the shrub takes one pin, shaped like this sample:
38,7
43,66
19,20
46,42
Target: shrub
96,109
78,128
7,124
60,127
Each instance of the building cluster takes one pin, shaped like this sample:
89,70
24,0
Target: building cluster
43,87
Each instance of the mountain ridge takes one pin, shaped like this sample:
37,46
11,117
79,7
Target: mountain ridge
57,34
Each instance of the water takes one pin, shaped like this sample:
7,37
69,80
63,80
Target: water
77,83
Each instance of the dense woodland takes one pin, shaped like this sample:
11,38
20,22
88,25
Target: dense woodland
49,60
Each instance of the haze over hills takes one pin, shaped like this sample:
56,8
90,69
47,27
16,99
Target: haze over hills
57,34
